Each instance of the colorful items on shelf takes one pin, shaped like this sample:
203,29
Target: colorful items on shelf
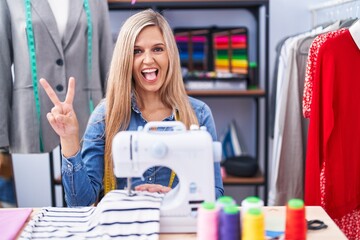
211,75
223,51
230,52
193,49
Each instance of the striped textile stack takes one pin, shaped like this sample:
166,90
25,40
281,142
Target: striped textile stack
117,216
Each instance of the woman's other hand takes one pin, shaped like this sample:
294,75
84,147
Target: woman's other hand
153,188
62,118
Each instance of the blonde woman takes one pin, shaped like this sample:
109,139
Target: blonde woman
145,84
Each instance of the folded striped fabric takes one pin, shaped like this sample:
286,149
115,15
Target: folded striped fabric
117,216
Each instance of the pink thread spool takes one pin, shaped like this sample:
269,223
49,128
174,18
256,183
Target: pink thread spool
207,222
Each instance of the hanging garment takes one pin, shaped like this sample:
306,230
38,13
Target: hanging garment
290,128
117,216
333,153
311,63
57,59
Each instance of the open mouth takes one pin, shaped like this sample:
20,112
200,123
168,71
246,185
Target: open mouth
150,74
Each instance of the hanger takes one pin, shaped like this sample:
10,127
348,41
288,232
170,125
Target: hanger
354,30
347,22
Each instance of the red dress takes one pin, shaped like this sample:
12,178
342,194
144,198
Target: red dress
310,67
332,176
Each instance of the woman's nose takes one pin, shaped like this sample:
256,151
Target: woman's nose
148,57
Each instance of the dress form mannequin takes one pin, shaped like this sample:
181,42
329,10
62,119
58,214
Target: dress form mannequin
60,10
61,50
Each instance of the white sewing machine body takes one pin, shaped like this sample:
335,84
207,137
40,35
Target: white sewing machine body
190,153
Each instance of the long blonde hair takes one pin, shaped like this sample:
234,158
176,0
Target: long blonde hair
120,83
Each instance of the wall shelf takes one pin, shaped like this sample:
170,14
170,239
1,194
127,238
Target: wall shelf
258,179
228,93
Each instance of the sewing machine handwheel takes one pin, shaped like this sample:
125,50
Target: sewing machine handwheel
159,150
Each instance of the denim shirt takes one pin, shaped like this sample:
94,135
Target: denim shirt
82,174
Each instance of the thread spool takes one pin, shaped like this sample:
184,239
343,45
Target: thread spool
253,225
295,226
223,201
251,202
229,224
207,221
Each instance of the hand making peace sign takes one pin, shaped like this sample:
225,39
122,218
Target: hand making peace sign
63,119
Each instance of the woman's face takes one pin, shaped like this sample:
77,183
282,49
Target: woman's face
151,61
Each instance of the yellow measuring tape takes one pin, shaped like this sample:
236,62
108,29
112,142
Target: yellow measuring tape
109,178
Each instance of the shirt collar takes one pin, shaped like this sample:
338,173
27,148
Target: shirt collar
136,108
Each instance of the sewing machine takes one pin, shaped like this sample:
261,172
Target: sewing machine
190,153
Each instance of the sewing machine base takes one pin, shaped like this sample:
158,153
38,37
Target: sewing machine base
178,224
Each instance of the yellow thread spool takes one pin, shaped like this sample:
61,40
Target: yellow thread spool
253,225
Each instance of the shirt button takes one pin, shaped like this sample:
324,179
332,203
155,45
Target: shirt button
59,88
69,166
150,179
60,62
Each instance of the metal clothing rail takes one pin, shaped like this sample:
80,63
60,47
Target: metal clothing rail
329,4
333,4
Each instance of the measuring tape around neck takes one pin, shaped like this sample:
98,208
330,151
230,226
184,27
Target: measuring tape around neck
89,50
33,63
32,55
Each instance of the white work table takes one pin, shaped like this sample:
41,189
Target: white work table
274,220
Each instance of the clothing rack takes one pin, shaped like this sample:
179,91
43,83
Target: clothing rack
335,5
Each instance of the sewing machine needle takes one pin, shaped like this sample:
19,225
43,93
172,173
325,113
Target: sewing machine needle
129,186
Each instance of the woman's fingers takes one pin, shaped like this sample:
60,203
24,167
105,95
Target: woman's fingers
153,188
62,112
71,91
62,117
50,92
56,110
51,118
55,120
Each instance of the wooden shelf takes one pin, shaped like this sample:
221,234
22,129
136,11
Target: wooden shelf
258,179
226,93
